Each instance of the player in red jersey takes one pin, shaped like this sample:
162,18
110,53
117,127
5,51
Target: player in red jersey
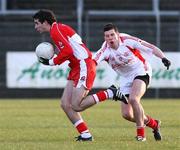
82,70
126,55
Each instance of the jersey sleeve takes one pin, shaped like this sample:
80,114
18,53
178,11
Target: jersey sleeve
140,45
101,54
61,41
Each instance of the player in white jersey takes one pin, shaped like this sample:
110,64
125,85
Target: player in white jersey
126,55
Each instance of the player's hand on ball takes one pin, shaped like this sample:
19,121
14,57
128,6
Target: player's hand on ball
166,62
44,61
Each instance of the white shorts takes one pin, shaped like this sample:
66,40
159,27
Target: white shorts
126,82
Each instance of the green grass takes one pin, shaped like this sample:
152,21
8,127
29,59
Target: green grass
42,125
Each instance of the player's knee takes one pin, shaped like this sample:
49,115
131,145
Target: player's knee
133,101
127,116
76,107
65,106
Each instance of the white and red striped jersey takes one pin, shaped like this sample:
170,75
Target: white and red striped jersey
129,58
69,44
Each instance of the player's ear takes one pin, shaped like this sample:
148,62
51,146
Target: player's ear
45,23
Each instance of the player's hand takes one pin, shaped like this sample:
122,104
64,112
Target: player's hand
44,61
166,62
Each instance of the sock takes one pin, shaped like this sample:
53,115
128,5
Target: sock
100,96
110,93
81,126
140,131
152,123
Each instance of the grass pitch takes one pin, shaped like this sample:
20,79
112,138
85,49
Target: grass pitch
42,125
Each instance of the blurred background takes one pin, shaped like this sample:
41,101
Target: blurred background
156,21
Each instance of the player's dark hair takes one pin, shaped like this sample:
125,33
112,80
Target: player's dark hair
110,26
45,15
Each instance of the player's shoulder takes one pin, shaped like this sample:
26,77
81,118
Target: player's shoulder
124,37
66,29
104,46
64,26
58,27
124,34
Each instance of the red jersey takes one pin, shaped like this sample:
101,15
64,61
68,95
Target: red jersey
69,44
71,48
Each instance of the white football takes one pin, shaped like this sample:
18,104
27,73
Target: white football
45,50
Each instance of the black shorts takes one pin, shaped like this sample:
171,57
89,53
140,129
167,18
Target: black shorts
144,78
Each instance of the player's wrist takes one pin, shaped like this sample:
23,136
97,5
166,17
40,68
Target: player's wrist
51,62
43,61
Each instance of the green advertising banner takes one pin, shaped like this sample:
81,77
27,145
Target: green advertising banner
24,71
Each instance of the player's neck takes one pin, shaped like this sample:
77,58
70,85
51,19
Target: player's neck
115,46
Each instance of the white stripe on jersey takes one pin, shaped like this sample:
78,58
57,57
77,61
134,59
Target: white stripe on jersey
83,74
79,51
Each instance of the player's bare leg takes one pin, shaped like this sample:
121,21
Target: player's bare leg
127,113
100,96
74,117
90,100
137,91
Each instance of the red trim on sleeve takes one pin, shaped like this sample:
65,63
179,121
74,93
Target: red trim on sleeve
136,53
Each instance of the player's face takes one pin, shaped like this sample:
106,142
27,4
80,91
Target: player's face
112,38
40,27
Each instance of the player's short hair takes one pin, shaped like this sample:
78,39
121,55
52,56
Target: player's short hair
45,15
110,26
